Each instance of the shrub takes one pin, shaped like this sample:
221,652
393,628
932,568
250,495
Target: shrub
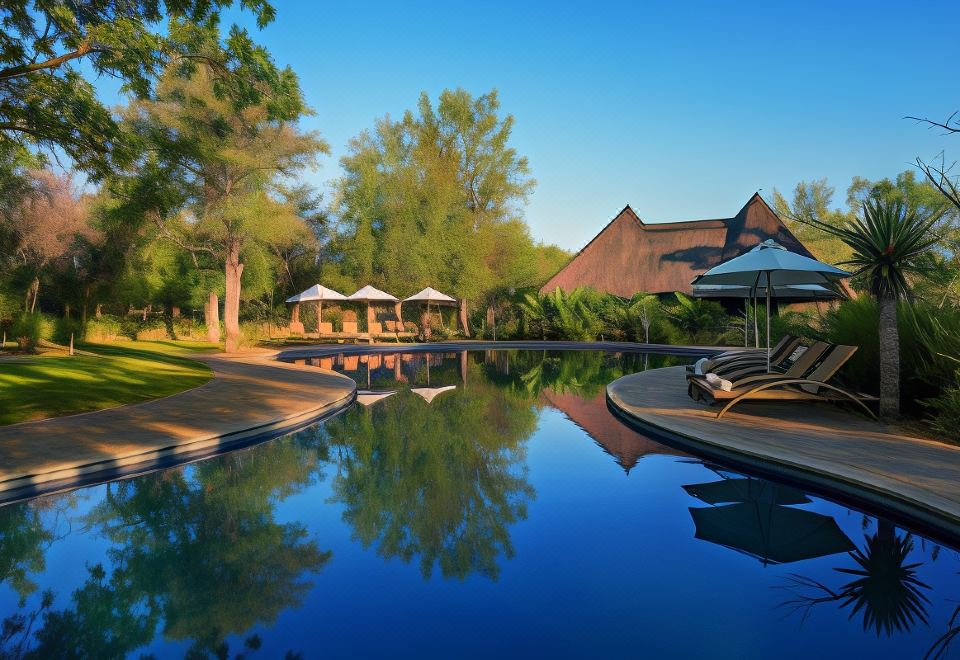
945,419
29,330
103,329
63,328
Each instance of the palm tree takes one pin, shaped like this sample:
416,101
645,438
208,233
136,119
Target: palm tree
890,245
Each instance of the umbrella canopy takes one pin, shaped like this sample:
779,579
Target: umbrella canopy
317,293
769,532
371,294
431,295
771,262
768,266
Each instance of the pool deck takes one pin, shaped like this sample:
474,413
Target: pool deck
820,446
250,398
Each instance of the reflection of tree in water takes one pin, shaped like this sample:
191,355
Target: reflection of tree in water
196,547
885,592
24,539
439,482
585,373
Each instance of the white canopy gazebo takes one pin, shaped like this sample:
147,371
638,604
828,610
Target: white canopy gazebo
429,295
318,294
372,295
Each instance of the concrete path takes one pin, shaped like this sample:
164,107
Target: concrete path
249,399
821,446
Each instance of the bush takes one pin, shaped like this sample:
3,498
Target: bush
945,419
64,328
103,329
29,330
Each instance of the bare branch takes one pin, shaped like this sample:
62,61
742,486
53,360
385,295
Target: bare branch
950,125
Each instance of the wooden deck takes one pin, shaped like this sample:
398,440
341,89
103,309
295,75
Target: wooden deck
824,447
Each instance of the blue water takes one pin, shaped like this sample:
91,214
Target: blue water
511,515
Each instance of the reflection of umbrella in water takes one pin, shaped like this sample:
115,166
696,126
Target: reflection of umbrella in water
430,393
744,489
770,532
368,398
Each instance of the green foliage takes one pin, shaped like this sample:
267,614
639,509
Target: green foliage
929,345
64,328
103,329
29,329
45,100
945,413
586,315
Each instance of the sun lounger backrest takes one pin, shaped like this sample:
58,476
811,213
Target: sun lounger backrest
830,365
326,327
783,349
350,327
807,360
374,328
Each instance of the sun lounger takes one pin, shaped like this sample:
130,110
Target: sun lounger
801,368
783,348
810,386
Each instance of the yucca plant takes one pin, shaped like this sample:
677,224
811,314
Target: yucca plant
890,244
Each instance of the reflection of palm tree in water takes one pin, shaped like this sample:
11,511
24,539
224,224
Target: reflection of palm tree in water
885,591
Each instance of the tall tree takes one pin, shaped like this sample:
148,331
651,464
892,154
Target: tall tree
431,199
890,244
231,164
47,103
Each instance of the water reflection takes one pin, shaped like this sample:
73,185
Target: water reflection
196,549
885,591
756,518
489,496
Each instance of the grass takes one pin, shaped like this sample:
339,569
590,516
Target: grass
106,375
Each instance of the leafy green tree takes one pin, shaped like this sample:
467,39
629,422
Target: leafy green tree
45,100
435,199
230,165
812,202
890,246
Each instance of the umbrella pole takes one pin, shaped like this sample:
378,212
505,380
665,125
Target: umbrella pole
768,320
746,318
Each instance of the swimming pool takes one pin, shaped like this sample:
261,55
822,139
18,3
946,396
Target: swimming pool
469,504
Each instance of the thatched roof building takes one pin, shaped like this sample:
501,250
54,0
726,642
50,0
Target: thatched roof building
628,256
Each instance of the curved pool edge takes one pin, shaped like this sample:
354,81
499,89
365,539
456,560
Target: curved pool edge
318,350
64,474
933,512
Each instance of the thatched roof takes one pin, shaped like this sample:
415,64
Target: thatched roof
628,256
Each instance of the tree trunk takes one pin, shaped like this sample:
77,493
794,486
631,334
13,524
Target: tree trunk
31,302
211,316
99,310
889,358
464,321
231,301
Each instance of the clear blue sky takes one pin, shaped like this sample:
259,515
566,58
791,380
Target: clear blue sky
682,110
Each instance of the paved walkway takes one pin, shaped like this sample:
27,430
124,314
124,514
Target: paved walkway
250,398
822,446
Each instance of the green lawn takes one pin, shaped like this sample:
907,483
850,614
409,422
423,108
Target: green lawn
36,387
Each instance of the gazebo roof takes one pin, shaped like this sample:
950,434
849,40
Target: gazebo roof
315,293
371,294
430,295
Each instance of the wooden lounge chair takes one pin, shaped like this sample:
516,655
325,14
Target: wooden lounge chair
783,349
799,367
812,386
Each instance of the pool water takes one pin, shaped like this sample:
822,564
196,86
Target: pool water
471,505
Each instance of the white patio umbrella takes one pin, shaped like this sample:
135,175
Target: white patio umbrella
430,295
368,398
768,266
318,294
371,295
789,291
